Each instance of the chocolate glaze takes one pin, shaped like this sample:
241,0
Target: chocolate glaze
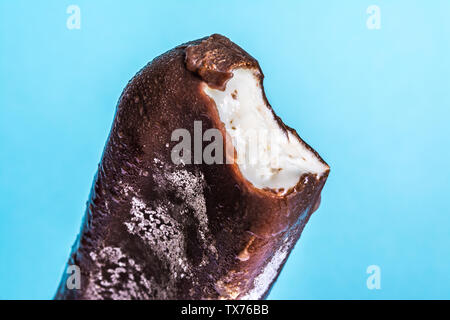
156,230
214,57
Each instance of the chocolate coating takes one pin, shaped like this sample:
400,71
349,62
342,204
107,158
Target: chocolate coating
157,230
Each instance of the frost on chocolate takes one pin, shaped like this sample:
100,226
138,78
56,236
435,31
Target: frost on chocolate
190,187
119,277
162,224
161,232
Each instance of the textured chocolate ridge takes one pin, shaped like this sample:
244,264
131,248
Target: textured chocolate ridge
214,58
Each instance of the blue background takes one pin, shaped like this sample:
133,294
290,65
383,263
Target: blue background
374,103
